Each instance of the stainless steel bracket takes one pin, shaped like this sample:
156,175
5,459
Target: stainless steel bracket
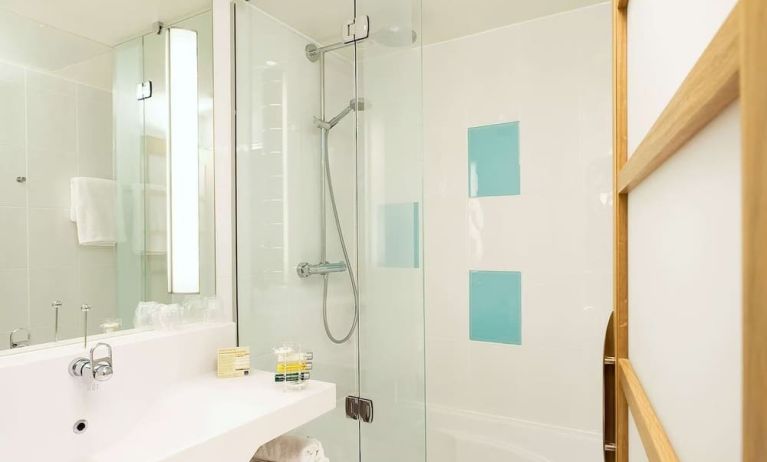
359,409
356,29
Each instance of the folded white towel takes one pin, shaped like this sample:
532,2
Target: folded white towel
289,448
93,204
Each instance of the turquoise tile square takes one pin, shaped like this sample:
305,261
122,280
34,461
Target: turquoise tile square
495,306
494,160
399,235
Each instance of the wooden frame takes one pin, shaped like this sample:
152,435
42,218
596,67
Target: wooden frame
753,74
733,64
620,217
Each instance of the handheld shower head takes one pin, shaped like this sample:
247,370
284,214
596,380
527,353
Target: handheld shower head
355,104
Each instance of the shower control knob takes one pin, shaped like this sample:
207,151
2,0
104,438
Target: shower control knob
304,270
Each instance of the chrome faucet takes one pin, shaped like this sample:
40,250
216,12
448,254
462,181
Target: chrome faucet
101,369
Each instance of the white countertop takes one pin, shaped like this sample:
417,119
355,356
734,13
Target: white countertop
209,419
163,403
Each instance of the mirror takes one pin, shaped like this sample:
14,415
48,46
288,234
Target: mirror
106,155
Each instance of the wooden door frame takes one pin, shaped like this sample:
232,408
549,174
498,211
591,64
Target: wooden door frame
733,65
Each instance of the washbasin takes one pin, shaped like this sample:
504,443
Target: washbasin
163,403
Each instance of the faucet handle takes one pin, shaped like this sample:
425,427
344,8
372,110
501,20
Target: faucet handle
95,348
102,367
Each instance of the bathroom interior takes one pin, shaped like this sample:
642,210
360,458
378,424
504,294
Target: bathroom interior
383,230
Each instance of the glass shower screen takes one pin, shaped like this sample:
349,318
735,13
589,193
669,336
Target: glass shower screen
329,232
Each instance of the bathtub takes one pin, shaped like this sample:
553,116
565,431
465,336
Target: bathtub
456,435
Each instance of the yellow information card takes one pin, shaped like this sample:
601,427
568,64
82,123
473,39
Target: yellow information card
233,362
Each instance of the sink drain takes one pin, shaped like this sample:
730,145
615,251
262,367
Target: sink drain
80,426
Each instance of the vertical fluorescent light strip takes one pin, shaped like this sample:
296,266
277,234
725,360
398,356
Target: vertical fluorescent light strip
183,163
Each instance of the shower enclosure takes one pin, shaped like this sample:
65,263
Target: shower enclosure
329,193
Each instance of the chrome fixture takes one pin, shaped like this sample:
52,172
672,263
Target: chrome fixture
100,369
358,408
354,31
14,343
144,90
85,308
305,270
357,30
56,305
356,104
323,268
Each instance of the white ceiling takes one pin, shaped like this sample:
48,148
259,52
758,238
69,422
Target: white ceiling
106,21
32,44
52,34
442,19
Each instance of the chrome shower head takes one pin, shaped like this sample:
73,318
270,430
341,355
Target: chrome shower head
396,36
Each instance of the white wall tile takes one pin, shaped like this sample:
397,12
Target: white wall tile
98,288
13,163
557,232
48,180
96,255
12,109
47,285
94,132
13,238
13,293
51,130
51,114
52,238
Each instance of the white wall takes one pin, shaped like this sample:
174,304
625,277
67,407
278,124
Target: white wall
51,129
542,399
685,243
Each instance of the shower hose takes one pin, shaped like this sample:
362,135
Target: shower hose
345,251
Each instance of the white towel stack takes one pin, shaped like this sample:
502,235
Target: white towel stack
92,207
288,448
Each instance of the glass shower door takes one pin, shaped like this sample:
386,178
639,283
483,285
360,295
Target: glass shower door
390,231
280,191
364,99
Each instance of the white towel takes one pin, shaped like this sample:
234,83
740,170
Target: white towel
92,207
288,448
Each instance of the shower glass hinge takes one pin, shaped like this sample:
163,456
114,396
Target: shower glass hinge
356,29
144,90
359,408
